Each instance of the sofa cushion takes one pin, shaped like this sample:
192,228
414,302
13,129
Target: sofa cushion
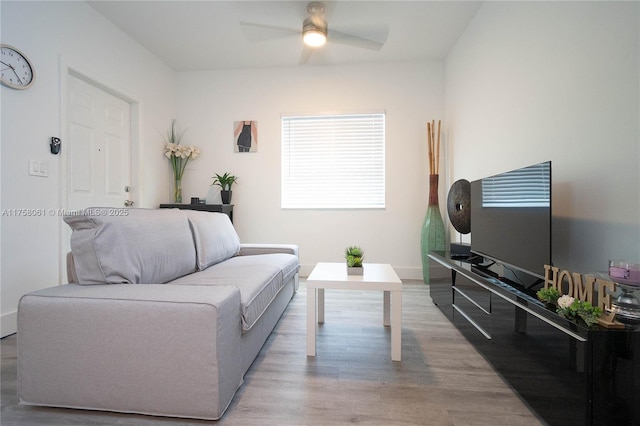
215,237
131,246
259,279
289,264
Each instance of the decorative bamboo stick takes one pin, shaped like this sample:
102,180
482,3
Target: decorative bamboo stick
438,151
429,147
434,146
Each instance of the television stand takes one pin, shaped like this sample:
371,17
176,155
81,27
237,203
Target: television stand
567,373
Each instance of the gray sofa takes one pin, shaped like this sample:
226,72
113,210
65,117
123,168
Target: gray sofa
179,343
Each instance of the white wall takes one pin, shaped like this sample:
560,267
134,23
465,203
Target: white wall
55,35
409,93
536,81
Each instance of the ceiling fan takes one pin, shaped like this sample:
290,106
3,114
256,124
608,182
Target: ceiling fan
315,32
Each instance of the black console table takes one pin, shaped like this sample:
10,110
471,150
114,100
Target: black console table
220,208
567,373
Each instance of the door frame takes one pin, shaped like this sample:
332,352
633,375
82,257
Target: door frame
100,81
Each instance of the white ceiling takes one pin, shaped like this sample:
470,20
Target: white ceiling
203,35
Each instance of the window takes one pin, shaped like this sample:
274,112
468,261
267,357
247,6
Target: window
526,187
333,161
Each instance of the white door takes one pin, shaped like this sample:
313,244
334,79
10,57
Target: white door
99,147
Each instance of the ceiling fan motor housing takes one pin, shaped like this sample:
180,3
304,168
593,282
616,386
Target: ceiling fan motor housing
314,23
314,28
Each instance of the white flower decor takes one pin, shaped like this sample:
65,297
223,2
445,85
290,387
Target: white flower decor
573,309
565,301
174,150
179,156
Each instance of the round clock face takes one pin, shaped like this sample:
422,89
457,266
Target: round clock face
17,71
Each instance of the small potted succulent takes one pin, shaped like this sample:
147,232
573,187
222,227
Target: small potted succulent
549,296
225,182
354,256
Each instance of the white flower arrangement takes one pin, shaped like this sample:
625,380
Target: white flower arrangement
179,156
174,150
573,309
565,301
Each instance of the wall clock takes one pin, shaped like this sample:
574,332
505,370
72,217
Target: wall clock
17,70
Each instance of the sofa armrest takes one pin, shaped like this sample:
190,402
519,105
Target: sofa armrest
253,249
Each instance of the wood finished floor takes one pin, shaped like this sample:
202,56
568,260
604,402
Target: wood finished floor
441,380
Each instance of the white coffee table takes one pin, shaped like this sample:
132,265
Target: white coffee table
376,276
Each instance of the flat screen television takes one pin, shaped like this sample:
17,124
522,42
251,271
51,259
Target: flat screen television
511,218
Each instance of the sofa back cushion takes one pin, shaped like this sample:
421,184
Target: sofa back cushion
131,246
215,237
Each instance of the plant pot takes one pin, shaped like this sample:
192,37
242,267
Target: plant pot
226,197
355,270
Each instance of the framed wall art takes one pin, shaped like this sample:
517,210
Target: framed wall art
245,136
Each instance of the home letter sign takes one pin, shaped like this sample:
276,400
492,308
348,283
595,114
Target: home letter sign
573,284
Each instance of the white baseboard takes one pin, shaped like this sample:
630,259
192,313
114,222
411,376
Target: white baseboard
9,323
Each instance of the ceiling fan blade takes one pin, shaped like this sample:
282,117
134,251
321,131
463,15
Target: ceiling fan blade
254,31
356,41
305,55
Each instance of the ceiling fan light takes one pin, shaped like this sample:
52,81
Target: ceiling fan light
314,38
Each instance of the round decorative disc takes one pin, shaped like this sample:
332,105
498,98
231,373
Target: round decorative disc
459,206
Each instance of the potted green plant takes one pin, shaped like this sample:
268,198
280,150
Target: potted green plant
354,256
225,182
549,296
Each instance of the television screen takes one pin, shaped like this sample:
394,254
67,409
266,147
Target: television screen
511,218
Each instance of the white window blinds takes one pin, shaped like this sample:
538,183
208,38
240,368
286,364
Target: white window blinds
333,161
526,187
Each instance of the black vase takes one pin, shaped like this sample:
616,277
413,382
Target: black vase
226,197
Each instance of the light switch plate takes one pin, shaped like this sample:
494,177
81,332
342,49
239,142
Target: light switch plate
38,168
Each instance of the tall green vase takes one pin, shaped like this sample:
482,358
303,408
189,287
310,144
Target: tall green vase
433,234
